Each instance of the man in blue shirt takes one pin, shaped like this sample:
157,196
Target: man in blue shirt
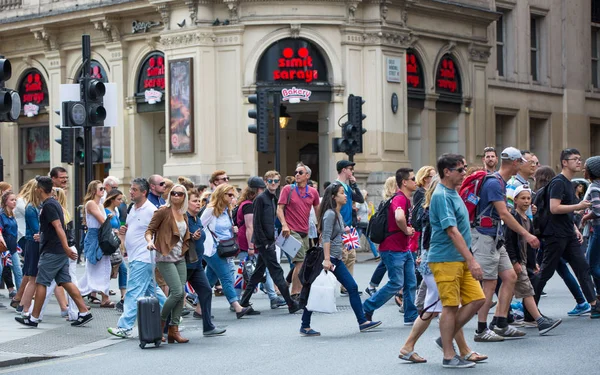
157,188
453,266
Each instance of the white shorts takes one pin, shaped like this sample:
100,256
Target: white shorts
432,295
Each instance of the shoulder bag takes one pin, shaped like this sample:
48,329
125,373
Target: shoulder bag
226,248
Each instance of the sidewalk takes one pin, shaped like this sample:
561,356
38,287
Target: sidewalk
54,337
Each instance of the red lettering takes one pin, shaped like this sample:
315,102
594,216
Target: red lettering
413,80
294,63
276,75
282,63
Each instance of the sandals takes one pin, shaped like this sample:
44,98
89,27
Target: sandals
109,305
94,300
398,299
412,357
475,357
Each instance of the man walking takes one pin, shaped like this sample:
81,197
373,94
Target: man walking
453,266
561,236
264,242
490,159
141,261
157,188
395,254
54,259
293,212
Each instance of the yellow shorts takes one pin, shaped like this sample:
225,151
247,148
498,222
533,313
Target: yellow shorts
455,283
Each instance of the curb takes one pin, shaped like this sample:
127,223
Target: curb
24,359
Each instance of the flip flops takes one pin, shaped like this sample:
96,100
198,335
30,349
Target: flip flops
109,305
475,357
412,357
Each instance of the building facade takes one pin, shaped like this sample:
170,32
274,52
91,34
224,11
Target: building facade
437,76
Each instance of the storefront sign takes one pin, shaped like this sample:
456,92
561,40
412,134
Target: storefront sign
152,96
448,76
151,78
143,26
96,71
33,92
292,60
393,69
295,95
414,71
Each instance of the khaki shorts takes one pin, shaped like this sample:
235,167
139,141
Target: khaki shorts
456,286
523,287
491,260
301,254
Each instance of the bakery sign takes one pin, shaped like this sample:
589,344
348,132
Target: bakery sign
295,95
151,78
33,92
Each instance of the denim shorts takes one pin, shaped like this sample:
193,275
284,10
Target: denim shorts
32,258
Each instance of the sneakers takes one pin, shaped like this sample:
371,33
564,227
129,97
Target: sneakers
119,306
580,309
595,311
120,332
294,308
214,332
64,313
457,362
440,346
548,324
278,302
82,320
487,336
509,332
309,332
26,321
12,294
370,291
530,324
368,326
19,309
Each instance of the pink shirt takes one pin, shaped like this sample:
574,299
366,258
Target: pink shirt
297,213
397,242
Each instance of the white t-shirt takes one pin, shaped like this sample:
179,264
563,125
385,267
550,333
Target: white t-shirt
138,220
20,216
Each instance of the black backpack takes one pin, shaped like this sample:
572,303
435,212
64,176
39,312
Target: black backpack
377,230
542,216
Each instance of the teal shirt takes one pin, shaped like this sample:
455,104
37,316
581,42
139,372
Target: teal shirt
447,210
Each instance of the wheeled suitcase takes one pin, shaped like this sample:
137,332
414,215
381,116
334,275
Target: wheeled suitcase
148,315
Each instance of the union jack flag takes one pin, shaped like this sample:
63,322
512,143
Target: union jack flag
351,239
6,259
239,282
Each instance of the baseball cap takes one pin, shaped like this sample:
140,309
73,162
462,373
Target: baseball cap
521,188
511,153
256,182
344,164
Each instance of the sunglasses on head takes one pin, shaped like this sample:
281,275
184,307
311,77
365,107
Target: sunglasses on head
177,193
299,172
489,149
273,181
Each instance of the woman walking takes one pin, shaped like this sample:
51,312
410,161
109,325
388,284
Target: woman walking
168,234
9,233
363,215
113,201
331,226
97,265
216,219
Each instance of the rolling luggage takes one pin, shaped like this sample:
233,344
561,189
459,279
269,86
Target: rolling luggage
148,315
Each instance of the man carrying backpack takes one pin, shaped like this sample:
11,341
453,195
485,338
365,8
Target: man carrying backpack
395,253
561,236
488,248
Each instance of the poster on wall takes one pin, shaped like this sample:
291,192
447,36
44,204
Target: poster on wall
37,145
181,116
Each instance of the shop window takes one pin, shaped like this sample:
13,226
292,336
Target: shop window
539,139
535,47
34,151
506,131
501,43
595,138
596,11
595,56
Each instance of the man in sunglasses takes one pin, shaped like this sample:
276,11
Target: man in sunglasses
490,159
217,178
157,188
293,212
489,251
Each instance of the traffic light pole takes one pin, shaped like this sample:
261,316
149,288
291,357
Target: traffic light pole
86,49
1,168
276,104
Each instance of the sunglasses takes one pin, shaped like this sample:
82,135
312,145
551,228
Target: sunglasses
230,195
177,193
459,170
299,172
101,188
413,178
162,183
223,179
271,181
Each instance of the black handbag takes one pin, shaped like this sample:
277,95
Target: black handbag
107,239
191,255
226,248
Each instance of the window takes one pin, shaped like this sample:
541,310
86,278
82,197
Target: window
595,56
596,11
535,48
500,45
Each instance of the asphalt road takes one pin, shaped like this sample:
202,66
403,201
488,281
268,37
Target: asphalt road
270,344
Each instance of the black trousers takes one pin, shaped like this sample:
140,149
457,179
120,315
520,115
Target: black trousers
197,278
267,259
569,249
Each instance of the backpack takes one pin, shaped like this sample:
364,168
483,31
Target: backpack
542,216
235,211
470,190
417,212
377,230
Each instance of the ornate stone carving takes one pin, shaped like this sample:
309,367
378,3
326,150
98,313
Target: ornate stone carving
383,9
232,5
165,14
295,30
171,41
109,28
152,41
193,8
352,6
47,37
479,53
389,38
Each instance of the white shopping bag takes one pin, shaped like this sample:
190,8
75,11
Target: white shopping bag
322,293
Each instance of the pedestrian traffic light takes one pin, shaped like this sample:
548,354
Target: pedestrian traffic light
10,101
356,117
79,147
92,93
74,114
66,144
261,115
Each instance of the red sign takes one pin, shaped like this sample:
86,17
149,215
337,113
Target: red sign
295,66
414,72
33,89
447,77
155,73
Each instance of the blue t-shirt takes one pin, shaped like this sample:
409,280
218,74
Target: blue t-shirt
156,200
194,224
114,220
492,190
447,209
346,210
8,224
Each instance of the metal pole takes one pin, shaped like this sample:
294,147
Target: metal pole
77,211
276,104
86,50
351,158
1,168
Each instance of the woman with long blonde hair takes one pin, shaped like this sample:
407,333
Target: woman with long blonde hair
8,237
218,226
389,188
97,265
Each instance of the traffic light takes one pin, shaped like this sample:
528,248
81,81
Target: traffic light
79,146
92,93
10,101
356,117
74,114
261,115
66,144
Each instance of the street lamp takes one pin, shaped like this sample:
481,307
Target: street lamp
284,117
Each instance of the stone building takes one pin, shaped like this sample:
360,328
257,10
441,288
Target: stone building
437,76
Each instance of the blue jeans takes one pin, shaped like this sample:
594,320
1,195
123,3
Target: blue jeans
140,284
122,276
570,281
401,274
219,268
362,232
345,278
593,257
16,269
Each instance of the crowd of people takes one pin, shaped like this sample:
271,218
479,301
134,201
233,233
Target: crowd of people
455,236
